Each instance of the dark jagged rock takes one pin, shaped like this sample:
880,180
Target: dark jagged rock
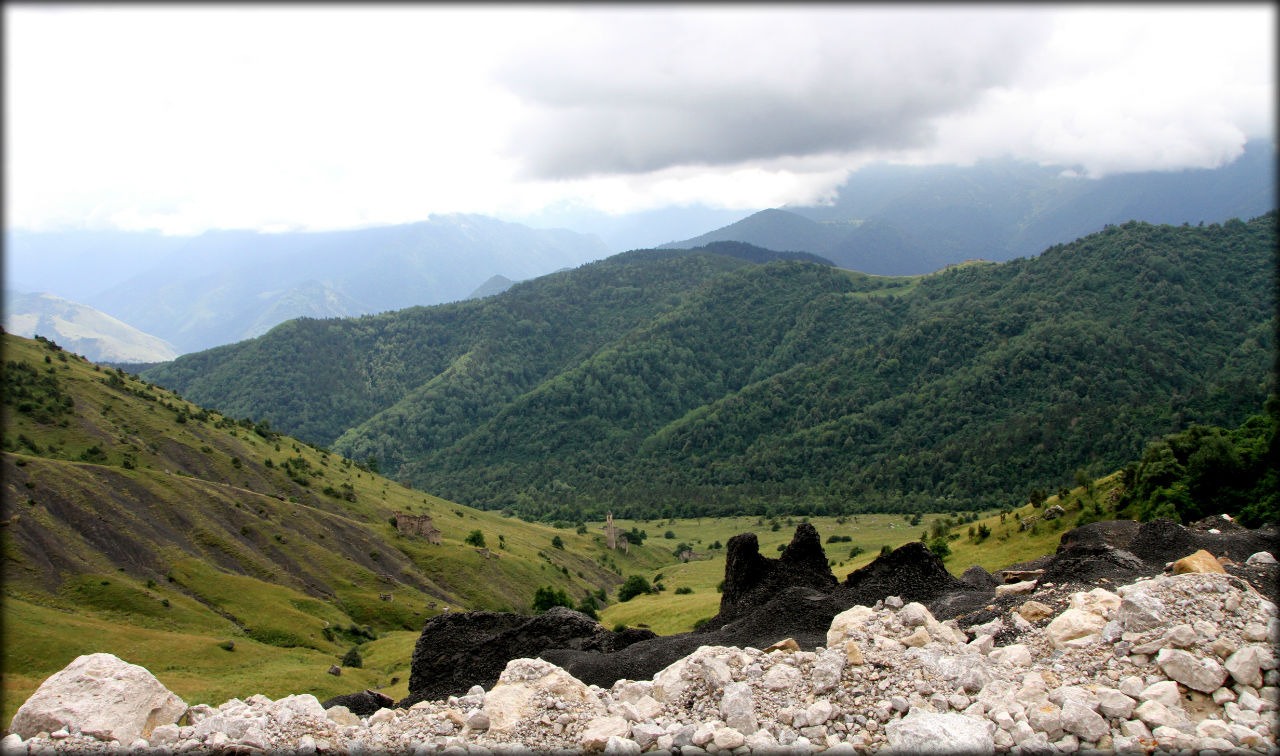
750,579
361,704
1093,551
979,578
458,650
911,571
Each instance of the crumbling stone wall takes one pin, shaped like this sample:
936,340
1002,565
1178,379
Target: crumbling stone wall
419,525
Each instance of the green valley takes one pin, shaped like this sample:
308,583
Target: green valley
693,383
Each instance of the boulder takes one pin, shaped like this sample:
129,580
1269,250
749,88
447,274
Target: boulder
1245,665
1034,610
1083,721
1100,601
1140,610
1260,558
924,732
601,730
1015,589
1200,561
100,696
844,622
1204,675
1074,628
1015,655
737,708
510,701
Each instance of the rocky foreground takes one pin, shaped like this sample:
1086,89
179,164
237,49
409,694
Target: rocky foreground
1171,663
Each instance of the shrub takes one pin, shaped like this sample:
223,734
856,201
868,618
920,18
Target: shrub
634,586
546,597
352,658
557,542
475,538
683,590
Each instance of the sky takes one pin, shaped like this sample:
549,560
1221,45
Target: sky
293,117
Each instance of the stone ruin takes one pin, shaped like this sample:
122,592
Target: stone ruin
419,525
613,538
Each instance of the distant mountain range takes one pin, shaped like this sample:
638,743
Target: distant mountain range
907,220
224,286
82,329
728,379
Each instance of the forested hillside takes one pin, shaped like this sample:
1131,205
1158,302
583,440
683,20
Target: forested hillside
687,383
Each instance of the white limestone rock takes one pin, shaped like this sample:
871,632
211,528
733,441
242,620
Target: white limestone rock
100,696
924,732
1083,721
1165,691
599,730
737,708
510,701
1245,665
1204,675
1074,628
1014,655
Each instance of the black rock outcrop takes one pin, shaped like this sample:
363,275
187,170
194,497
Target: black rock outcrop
751,579
361,704
979,578
458,650
911,571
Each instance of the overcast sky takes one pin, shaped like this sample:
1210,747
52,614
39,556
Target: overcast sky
293,117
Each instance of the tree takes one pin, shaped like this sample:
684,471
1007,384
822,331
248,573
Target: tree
940,547
546,597
634,586
557,542
475,538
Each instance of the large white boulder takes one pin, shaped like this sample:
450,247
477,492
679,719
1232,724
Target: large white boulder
846,621
101,696
924,732
1204,675
1075,628
510,701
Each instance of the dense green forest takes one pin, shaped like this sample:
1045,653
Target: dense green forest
1204,471
691,383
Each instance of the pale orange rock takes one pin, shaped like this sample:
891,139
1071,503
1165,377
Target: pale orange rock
1201,561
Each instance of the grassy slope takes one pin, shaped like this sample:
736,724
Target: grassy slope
239,552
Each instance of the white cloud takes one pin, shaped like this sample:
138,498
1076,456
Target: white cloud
185,118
